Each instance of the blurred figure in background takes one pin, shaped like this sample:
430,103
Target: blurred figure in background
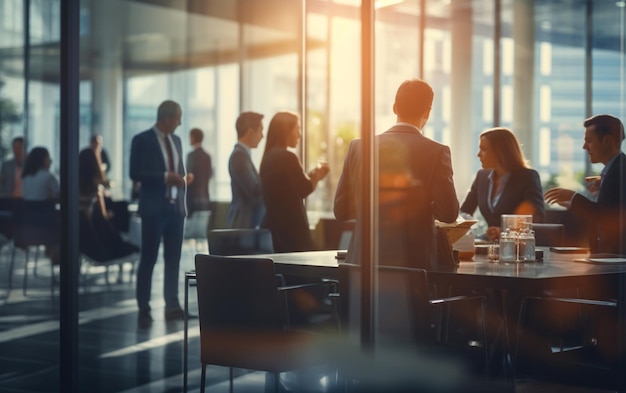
199,173
11,172
99,239
505,185
246,208
37,182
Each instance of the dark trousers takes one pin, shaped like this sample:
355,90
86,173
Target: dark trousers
167,225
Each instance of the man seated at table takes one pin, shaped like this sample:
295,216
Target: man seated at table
605,216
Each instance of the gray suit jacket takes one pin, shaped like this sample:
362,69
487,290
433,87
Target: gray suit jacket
148,167
246,208
416,187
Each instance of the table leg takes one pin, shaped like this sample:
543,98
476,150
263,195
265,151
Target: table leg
186,335
621,339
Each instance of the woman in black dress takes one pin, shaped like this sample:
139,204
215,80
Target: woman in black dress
285,185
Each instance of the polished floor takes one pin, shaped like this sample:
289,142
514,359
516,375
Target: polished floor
116,355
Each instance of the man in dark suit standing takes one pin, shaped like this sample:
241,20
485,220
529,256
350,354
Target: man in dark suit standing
199,172
11,172
606,216
156,162
246,208
415,185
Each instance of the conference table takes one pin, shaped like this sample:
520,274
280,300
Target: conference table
556,271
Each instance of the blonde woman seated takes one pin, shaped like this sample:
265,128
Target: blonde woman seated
505,185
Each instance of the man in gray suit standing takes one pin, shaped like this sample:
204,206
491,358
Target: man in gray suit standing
246,208
11,172
415,185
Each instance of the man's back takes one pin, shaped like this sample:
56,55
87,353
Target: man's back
415,187
199,163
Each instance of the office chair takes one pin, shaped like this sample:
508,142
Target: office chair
244,318
240,241
35,224
547,234
408,316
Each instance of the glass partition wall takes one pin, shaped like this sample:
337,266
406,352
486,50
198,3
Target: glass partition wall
538,67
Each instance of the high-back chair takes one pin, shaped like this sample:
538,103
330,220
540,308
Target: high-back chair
408,319
548,234
240,241
243,318
35,224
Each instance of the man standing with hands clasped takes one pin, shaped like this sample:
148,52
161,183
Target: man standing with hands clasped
605,216
156,162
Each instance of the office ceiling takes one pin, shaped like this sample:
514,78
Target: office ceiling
149,36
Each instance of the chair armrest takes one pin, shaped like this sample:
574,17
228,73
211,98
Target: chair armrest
587,302
298,286
455,299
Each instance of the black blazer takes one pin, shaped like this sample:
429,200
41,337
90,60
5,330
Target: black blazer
199,163
285,185
523,185
606,216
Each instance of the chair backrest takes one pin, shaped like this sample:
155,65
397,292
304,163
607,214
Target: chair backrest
547,235
219,215
35,223
197,224
240,241
238,293
403,316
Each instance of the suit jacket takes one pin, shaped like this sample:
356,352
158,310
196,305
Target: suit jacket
606,216
7,178
199,163
523,185
415,188
285,185
147,166
246,208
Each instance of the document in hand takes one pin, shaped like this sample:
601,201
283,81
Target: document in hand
457,229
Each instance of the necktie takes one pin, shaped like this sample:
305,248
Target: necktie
170,164
170,154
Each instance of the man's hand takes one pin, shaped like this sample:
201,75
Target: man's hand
189,178
559,195
174,179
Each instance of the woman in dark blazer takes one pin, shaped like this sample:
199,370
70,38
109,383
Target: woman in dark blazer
285,185
505,185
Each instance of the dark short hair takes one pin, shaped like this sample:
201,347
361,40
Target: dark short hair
196,134
247,120
18,139
606,125
35,160
168,109
413,98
